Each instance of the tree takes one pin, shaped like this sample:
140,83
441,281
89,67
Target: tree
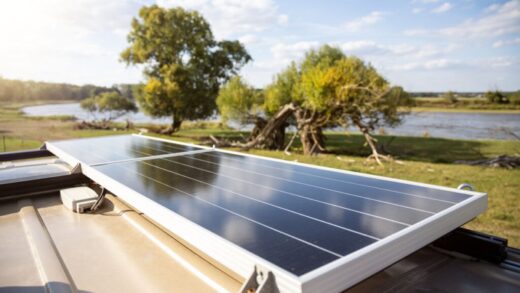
292,90
17,90
514,98
352,92
239,101
450,97
110,104
329,89
184,65
496,97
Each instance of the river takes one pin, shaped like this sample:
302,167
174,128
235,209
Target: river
459,125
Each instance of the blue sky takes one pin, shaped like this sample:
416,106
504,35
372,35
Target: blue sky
423,45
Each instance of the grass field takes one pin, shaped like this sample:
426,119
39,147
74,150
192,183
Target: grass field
463,104
428,160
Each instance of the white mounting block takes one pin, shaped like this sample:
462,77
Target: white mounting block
78,199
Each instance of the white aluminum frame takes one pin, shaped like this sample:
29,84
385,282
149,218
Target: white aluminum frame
335,276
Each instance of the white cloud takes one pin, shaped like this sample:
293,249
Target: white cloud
285,53
416,32
433,64
502,43
499,19
248,39
444,7
371,48
417,10
283,19
442,64
367,48
231,17
61,40
450,64
367,20
498,62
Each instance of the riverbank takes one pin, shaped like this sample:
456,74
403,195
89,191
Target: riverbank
422,159
463,110
463,104
449,124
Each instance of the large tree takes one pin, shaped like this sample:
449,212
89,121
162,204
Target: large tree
184,65
328,89
111,105
363,98
292,91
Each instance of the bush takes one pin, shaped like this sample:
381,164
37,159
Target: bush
450,97
496,97
514,98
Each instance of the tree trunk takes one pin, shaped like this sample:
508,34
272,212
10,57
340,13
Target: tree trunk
371,142
311,135
172,128
260,123
306,140
312,140
273,130
176,125
279,137
274,140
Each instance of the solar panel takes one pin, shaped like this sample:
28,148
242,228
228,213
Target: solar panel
109,149
315,228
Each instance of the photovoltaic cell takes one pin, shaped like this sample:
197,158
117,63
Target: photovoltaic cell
296,217
100,150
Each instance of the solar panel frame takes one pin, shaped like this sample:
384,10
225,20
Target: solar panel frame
337,275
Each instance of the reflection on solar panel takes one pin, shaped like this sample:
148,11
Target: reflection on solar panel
316,229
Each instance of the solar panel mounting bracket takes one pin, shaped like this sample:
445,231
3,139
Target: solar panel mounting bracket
466,186
76,169
261,280
99,200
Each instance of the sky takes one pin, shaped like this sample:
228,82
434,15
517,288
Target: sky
422,45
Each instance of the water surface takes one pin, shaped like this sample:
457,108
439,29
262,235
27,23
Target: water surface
463,125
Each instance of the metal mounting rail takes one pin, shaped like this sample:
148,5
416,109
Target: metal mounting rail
24,155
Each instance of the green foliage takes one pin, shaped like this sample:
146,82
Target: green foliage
184,65
496,97
89,105
514,98
283,90
323,57
111,104
239,101
17,90
328,89
450,97
338,88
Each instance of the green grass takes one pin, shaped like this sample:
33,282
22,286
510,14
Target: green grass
9,144
428,160
54,117
439,104
463,110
